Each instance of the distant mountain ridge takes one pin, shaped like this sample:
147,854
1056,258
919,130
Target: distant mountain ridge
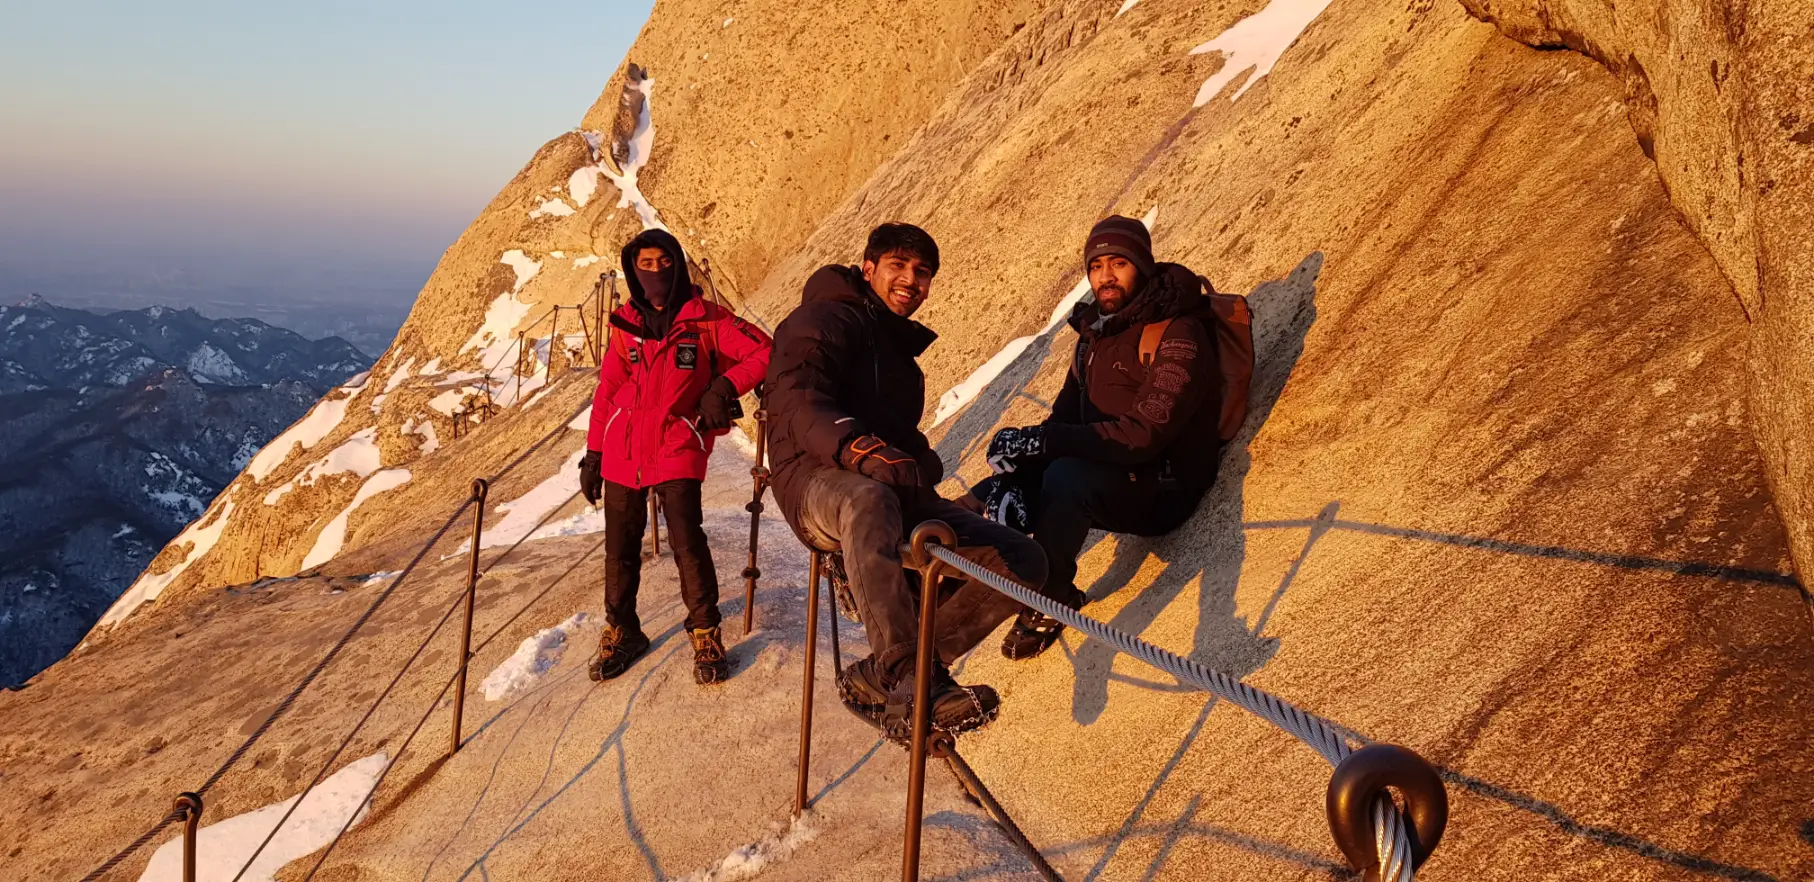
43,346
119,430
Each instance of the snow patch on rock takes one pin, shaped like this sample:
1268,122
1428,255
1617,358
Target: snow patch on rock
642,141
357,454
1256,43
212,364
552,208
307,432
535,657
223,848
334,534
522,513
750,860
200,536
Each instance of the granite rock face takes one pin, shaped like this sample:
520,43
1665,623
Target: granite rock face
1721,96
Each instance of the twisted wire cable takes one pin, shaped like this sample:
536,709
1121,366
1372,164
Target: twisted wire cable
1391,839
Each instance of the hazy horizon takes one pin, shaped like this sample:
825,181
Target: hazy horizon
282,157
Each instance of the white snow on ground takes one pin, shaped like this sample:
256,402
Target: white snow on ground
447,402
963,393
642,140
583,422
380,576
431,442
583,262
396,379
1125,6
210,363
182,503
750,860
552,208
308,432
202,535
223,847
536,656
357,454
522,513
357,381
432,368
727,23
334,534
744,443
1255,43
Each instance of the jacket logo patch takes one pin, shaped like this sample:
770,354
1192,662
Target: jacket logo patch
1157,408
1178,347
686,356
1170,378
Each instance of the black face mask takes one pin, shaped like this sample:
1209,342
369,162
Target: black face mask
656,285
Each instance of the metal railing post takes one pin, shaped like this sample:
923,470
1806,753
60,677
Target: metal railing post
479,490
654,526
759,477
940,533
814,572
190,804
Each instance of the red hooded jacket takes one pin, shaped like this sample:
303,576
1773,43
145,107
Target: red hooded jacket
649,386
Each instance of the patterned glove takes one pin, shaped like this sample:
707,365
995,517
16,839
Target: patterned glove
874,459
591,483
1005,502
1010,447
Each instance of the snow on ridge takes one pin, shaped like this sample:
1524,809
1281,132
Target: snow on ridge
642,141
333,536
358,454
431,441
494,336
535,657
1256,43
963,393
224,846
308,431
210,363
202,534
1125,6
583,262
552,208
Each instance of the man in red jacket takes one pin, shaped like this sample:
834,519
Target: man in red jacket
673,371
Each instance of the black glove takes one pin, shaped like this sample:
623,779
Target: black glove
715,406
591,483
1011,447
1004,501
874,459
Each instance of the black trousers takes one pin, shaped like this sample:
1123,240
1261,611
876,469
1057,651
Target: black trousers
626,517
1075,495
870,520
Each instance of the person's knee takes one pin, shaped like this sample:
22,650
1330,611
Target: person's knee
871,503
1066,480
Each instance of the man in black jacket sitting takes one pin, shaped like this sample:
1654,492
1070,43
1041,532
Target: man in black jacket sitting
853,470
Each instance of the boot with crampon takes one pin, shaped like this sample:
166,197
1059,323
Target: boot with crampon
709,664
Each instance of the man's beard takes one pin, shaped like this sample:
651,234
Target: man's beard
1103,295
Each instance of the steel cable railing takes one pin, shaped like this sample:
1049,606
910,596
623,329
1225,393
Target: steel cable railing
1358,794
315,671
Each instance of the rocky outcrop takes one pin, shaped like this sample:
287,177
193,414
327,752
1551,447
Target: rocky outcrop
1721,96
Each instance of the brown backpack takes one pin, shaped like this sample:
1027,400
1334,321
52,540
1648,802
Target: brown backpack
1233,330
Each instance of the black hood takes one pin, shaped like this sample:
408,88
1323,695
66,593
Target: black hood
845,284
1173,291
682,278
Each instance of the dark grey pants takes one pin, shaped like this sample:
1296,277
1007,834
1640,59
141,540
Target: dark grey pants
870,520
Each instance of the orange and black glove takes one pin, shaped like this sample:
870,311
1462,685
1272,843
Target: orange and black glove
874,459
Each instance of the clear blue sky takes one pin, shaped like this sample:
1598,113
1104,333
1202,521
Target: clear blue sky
258,133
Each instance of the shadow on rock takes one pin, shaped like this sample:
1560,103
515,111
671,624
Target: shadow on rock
1211,545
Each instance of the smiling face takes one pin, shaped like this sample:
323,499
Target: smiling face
901,280
1113,279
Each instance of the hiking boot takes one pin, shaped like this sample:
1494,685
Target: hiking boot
840,588
617,650
1035,632
886,702
709,665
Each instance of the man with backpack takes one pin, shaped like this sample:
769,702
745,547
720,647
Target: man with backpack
854,474
675,366
1155,384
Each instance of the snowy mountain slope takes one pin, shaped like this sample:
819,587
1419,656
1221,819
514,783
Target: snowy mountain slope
52,347
1499,501
119,429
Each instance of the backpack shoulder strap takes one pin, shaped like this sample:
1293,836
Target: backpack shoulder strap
1149,340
